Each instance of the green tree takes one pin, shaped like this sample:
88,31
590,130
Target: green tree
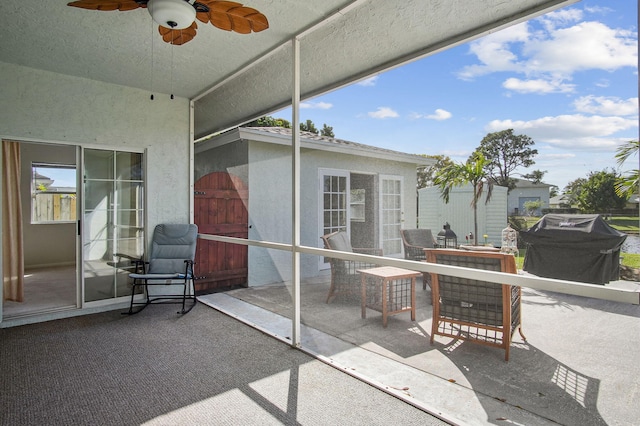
327,131
504,153
598,193
627,184
269,121
535,176
426,174
532,207
554,190
472,172
308,126
573,190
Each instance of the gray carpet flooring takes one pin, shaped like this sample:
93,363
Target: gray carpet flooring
159,368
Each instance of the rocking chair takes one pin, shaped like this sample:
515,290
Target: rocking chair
170,264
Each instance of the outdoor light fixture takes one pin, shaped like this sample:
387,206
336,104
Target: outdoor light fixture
172,14
447,238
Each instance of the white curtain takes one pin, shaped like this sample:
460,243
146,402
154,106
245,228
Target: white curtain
12,258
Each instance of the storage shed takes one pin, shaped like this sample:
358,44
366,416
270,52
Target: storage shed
580,248
433,213
367,191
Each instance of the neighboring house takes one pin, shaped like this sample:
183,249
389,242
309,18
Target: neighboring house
41,181
433,213
633,202
368,191
527,191
561,201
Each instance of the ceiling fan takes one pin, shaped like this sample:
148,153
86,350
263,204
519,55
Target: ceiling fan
176,18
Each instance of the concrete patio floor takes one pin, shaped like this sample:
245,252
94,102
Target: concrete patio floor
577,367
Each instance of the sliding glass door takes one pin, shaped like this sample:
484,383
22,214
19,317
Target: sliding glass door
112,222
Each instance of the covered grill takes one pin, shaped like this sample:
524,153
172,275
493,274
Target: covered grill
573,247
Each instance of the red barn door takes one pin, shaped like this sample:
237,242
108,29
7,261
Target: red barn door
221,209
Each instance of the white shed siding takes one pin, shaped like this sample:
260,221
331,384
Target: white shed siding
496,216
433,213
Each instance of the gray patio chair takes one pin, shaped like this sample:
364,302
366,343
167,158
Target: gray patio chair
171,261
414,242
479,311
345,280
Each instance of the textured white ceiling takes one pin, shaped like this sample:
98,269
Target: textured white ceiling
349,40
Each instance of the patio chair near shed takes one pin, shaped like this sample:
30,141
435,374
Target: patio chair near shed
170,265
415,241
345,280
479,311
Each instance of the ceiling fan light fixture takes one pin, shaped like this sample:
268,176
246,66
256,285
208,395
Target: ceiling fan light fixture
172,14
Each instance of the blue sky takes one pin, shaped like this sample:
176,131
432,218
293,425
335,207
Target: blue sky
568,80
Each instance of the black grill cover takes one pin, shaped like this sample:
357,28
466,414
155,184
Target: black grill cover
573,247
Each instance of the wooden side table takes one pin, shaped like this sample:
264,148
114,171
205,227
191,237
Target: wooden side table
389,290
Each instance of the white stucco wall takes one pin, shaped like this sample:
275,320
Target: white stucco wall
270,203
43,106
48,107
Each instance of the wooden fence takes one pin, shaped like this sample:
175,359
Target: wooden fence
48,207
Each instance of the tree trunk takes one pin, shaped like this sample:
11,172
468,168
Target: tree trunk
475,224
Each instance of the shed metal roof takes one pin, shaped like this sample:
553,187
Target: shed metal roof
283,136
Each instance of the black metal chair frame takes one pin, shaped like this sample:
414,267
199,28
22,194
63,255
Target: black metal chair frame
142,280
172,246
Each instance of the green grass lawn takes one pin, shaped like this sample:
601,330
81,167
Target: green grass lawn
631,259
625,224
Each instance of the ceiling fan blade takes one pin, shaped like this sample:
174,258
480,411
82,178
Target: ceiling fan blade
178,37
232,16
122,5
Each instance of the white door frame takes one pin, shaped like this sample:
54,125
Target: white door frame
390,202
322,228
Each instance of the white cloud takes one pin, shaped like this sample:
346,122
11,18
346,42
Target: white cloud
371,81
316,105
555,157
600,10
587,45
383,112
493,51
440,115
578,132
560,17
553,52
537,86
607,105
459,155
